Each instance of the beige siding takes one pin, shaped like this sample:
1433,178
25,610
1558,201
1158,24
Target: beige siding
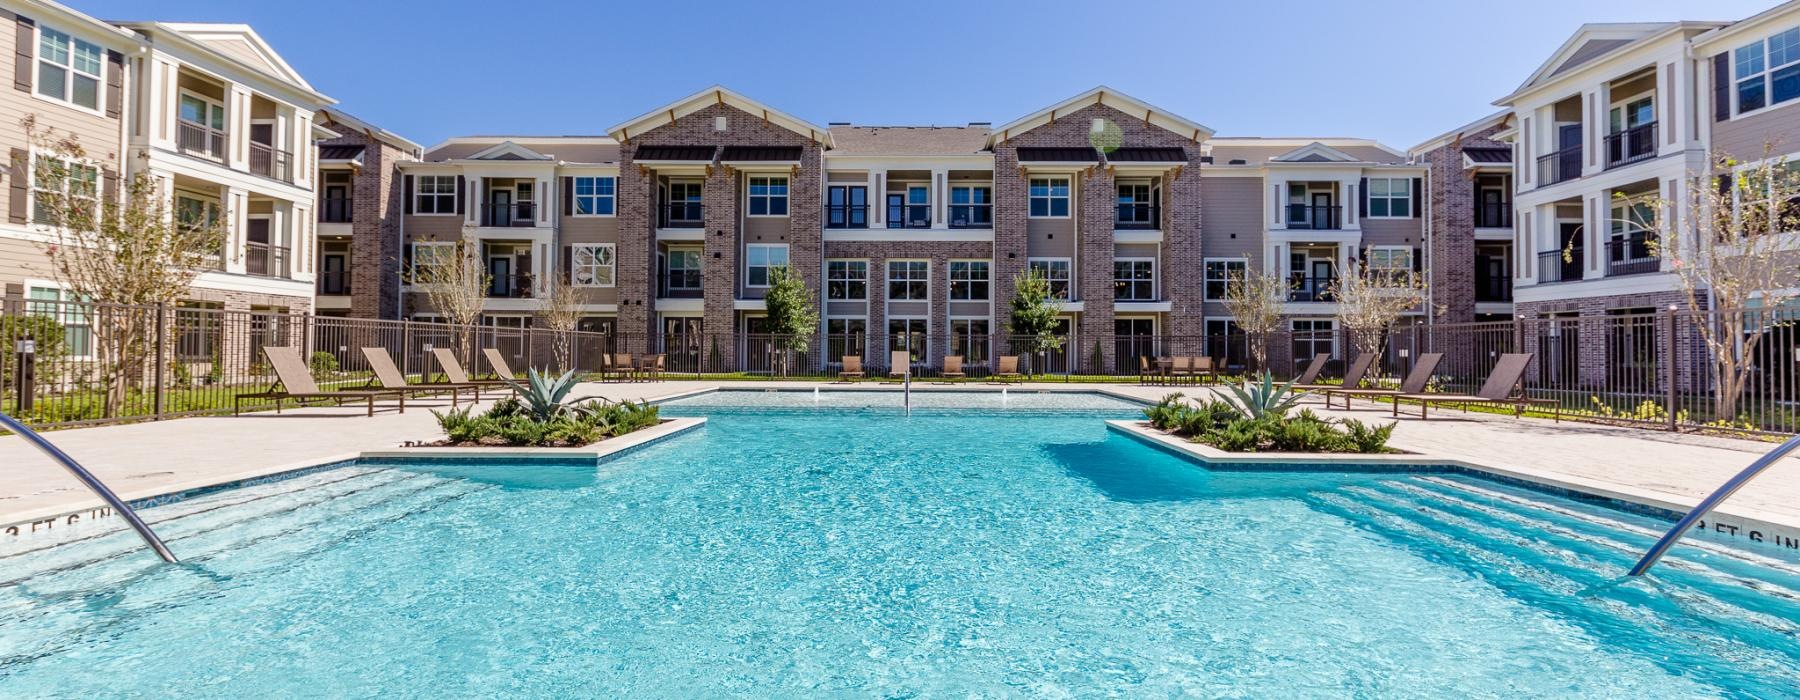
1232,206
589,229
442,228
21,260
98,134
1743,138
1404,232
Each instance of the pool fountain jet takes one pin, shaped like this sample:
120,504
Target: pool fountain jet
815,395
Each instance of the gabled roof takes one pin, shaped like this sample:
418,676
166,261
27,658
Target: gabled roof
1443,139
1315,152
1111,98
337,116
237,43
1488,155
1595,40
716,94
345,153
853,140
507,150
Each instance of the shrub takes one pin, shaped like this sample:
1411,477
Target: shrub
511,422
322,364
1229,427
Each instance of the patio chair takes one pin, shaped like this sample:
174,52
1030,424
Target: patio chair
297,383
853,369
1008,369
1146,374
652,371
1203,370
953,369
1180,367
1497,390
1353,375
1311,373
453,370
389,376
620,367
1415,382
498,364
899,361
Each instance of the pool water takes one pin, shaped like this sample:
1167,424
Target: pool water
845,549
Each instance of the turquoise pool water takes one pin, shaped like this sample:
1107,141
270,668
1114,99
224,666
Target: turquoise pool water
787,549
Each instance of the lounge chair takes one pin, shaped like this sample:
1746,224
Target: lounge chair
853,369
953,369
1353,376
497,363
1008,369
1311,374
453,370
1415,382
389,376
296,383
899,361
1203,370
1497,390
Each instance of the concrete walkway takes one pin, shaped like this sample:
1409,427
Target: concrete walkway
148,459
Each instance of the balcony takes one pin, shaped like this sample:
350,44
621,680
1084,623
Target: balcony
333,283
335,210
683,215
263,260
1138,216
510,287
1305,288
971,216
1631,256
1559,166
909,216
1493,289
1315,217
843,216
268,162
1631,145
514,215
679,284
1493,215
200,140
1552,267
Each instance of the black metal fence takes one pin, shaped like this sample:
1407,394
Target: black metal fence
91,363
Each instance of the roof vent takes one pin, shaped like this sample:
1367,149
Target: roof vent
1206,159
1235,161
986,124
1098,127
720,123
837,123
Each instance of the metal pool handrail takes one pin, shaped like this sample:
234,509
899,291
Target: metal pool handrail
1712,501
93,484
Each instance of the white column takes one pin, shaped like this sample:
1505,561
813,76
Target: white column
1593,130
1594,224
236,203
162,104
1351,201
472,207
237,126
940,197
878,197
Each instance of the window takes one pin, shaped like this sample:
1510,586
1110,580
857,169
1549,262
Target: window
594,196
683,269
1767,72
1391,262
61,189
1390,197
1057,271
431,255
435,194
68,310
69,69
909,280
197,331
847,207
971,206
911,335
969,338
591,265
968,280
759,258
844,337
1313,336
1220,274
1137,205
1134,279
1049,197
847,280
768,196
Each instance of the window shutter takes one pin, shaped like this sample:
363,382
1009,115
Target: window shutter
21,179
568,197
406,192
406,259
568,262
459,195
115,84
1418,197
109,185
1722,87
1418,260
24,43
1362,198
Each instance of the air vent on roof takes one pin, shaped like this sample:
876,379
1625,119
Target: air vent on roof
988,124
719,123
1206,159
837,123
1234,161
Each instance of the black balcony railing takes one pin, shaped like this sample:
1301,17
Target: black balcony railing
1307,288
1493,215
1631,145
509,215
268,162
1554,267
1559,166
678,284
334,283
335,210
1630,256
847,216
510,286
683,215
1137,216
971,216
1493,288
199,139
909,216
1316,217
264,260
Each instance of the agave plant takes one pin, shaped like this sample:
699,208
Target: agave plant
542,394
1265,399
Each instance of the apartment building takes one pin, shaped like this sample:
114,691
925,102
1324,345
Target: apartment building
209,113
358,209
1469,260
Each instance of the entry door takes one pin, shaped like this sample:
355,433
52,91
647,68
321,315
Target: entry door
896,211
1321,211
332,278
1133,340
1319,278
681,341
1569,235
500,269
500,208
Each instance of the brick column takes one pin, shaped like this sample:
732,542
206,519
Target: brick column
636,261
1095,262
720,280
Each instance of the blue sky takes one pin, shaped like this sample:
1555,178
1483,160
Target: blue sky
1396,71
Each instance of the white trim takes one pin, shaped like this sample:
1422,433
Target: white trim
950,286
418,191
1050,199
1767,74
888,279
1102,95
1205,280
786,195
1155,278
1143,307
612,266
1409,197
575,196
768,262
846,280
908,235
1072,293
37,44
716,94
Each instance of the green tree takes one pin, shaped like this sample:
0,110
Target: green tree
1035,315
792,317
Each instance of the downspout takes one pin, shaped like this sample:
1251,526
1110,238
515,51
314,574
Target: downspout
1430,238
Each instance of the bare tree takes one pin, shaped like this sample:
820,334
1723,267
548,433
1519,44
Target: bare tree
456,283
1370,299
1254,299
560,315
1736,250
125,253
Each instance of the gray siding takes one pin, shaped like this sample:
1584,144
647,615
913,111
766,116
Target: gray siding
1404,232
1233,206
1743,138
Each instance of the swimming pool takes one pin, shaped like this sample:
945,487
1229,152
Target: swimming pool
1016,548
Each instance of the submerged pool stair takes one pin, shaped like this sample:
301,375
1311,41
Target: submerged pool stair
1706,506
92,482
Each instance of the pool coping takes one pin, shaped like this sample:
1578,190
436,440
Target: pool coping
1751,532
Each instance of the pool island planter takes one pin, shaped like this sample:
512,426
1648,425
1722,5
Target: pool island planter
604,449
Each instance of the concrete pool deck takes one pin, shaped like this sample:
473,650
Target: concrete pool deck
148,459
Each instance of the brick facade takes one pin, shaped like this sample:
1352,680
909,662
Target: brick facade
375,241
1453,209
